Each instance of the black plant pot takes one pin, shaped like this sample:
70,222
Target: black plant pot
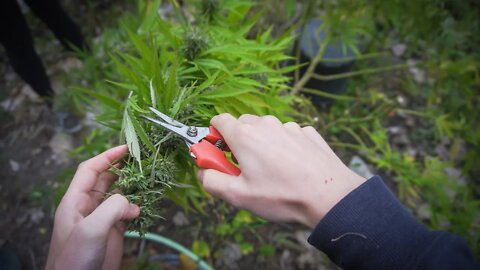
310,40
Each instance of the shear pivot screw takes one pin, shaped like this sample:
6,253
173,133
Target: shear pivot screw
192,131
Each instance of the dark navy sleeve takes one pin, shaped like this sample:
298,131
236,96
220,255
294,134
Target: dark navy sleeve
371,229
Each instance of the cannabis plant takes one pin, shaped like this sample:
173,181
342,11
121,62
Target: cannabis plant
190,69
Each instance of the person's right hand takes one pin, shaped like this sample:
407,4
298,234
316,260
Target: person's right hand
289,173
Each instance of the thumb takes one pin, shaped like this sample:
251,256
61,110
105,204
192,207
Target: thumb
114,209
222,185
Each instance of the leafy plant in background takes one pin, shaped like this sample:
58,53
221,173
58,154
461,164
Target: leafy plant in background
190,71
442,35
225,60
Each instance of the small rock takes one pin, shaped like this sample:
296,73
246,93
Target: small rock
17,99
394,130
14,166
442,152
402,101
180,219
412,151
36,151
456,175
36,215
28,92
61,144
286,260
10,76
229,255
21,218
419,75
302,236
401,139
69,64
410,121
307,260
360,167
42,230
423,212
399,49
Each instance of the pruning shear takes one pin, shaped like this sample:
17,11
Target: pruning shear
206,145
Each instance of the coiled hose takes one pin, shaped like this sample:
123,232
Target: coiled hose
156,238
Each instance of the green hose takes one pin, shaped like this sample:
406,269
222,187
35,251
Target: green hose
172,244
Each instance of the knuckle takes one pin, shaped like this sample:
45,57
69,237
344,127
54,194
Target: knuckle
120,205
292,125
244,117
309,129
221,117
82,165
270,120
119,199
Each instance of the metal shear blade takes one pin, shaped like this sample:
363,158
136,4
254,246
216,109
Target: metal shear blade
166,118
176,127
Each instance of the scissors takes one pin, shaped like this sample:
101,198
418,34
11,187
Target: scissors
206,145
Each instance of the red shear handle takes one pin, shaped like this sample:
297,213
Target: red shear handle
208,156
215,136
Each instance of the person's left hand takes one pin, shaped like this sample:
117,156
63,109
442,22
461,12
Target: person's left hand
88,232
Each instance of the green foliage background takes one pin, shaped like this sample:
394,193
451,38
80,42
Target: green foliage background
225,56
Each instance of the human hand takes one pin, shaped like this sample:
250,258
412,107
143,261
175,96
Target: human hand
288,173
88,233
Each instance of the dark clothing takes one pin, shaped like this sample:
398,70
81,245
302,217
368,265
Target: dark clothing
15,36
370,229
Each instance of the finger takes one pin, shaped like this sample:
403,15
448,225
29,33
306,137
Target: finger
105,180
114,209
88,171
248,118
222,185
225,124
113,254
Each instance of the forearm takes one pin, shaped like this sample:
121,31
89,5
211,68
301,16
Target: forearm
370,229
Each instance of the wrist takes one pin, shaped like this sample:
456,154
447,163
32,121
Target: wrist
327,193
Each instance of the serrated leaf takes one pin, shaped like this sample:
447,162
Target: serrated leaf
141,133
131,137
152,95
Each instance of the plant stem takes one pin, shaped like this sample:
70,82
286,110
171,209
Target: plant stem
327,95
358,72
310,70
354,58
412,112
346,145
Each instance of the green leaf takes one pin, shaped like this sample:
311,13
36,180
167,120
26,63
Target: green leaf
104,99
142,134
201,248
211,63
243,217
226,91
266,250
246,248
152,95
131,137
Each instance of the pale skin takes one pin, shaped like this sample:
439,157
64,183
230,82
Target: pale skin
88,231
289,174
